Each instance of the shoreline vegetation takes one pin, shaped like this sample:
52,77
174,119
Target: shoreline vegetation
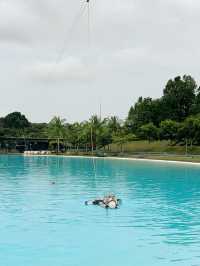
166,128
150,156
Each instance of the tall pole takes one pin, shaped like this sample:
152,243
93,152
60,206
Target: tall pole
88,7
186,147
100,111
92,144
58,145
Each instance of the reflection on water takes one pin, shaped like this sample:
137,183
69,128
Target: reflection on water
158,222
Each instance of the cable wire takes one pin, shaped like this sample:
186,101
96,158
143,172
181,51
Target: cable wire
70,31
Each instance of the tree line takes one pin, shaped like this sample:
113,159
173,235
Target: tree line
175,117
94,133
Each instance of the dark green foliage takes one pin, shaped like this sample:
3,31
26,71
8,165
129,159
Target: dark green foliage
1,122
169,129
195,109
179,98
171,114
178,102
121,137
140,114
17,125
16,120
37,130
190,130
148,131
56,128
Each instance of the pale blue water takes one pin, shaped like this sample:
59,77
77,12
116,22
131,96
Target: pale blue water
48,225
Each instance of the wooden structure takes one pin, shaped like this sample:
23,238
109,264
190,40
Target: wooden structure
20,144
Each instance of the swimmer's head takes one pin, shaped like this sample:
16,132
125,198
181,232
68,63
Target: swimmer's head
112,204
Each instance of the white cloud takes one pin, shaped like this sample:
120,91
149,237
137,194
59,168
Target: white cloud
135,47
13,22
71,68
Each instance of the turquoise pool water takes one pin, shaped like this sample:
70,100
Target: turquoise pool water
48,225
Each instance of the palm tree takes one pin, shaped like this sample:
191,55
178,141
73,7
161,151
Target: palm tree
114,123
95,126
56,130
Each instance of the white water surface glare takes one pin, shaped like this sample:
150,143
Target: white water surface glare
45,224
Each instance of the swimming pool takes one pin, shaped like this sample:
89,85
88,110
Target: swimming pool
43,224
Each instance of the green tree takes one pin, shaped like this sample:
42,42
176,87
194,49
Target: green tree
140,114
121,138
79,135
146,110
95,126
56,130
104,136
179,97
196,105
1,122
190,130
169,130
113,124
16,120
148,131
37,130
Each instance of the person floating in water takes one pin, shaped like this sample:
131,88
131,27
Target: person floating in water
109,201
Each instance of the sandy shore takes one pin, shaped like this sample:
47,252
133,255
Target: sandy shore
157,161
124,159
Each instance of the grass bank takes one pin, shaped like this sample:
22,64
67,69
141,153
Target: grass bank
157,150
152,147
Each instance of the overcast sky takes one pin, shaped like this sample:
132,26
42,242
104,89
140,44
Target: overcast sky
135,47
